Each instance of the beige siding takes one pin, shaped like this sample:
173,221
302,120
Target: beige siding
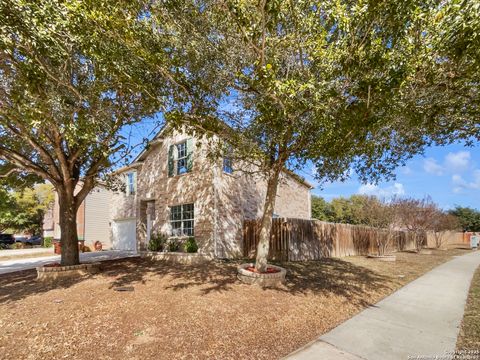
97,225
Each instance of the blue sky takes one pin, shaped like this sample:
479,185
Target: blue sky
450,175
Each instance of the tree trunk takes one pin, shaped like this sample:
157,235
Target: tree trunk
68,228
266,225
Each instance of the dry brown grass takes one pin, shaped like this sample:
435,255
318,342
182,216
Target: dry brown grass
187,312
469,336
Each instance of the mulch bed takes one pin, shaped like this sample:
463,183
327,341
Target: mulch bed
191,312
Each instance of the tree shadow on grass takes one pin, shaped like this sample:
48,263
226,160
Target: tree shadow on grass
21,284
326,277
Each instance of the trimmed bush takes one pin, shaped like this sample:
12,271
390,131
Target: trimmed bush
17,245
191,245
47,242
173,245
157,242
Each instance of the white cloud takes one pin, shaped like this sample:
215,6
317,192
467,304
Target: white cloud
460,184
396,189
431,166
459,161
406,170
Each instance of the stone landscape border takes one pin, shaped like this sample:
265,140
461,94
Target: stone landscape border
178,257
50,273
262,279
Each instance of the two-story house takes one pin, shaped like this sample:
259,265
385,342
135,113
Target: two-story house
173,188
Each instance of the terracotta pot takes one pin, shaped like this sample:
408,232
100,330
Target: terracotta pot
98,246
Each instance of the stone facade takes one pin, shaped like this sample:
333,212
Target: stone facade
221,201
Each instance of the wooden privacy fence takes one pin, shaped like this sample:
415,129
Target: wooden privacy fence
299,239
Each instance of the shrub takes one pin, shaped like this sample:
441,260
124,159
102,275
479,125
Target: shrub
191,245
17,245
173,245
157,242
47,242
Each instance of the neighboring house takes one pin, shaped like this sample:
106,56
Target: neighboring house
174,189
92,219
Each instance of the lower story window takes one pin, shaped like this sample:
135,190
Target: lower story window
182,220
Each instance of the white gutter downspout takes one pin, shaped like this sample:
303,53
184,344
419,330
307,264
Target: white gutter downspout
215,210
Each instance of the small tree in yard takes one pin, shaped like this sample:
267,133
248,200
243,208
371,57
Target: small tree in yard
417,216
442,223
73,75
381,215
346,85
23,209
468,218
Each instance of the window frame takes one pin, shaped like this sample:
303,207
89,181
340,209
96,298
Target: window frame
183,158
131,183
227,165
178,216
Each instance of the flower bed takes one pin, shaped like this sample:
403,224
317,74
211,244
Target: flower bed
55,271
275,275
178,257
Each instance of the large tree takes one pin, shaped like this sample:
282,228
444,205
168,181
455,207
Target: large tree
353,86
23,210
73,75
468,218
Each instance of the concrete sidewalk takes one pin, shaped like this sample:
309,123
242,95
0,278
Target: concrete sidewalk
9,266
422,318
21,252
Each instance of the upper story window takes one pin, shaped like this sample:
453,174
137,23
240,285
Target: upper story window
182,219
131,183
227,165
180,158
227,159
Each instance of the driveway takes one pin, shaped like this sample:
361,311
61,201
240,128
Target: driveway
421,320
9,266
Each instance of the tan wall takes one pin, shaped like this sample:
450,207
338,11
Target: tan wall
122,206
241,196
446,238
293,199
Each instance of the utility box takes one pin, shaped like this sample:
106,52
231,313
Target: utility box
474,240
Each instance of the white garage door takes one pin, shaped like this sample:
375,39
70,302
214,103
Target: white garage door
124,235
